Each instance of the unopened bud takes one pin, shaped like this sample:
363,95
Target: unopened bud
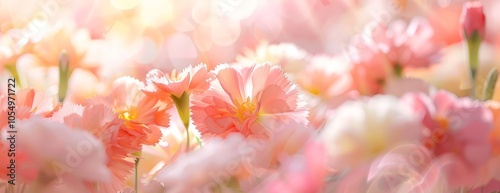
64,73
473,20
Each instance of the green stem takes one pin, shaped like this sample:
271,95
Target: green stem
473,44
398,70
12,68
136,175
64,74
182,105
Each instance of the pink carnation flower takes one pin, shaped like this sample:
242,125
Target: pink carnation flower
141,113
243,97
405,168
191,79
302,173
370,67
457,128
28,102
407,46
121,142
326,77
72,155
207,169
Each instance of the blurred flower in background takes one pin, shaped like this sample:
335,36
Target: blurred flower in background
165,96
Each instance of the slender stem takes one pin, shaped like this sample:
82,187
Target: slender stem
64,74
187,136
12,68
136,175
182,105
473,45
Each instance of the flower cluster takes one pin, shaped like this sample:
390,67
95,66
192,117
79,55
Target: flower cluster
179,97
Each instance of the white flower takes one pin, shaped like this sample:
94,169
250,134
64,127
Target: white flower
361,130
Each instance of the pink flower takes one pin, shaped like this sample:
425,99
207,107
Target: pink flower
302,173
457,128
191,79
370,67
286,139
495,133
71,154
405,168
492,169
386,51
492,186
242,98
406,46
473,19
206,169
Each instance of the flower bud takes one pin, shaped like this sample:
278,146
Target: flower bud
473,19
64,73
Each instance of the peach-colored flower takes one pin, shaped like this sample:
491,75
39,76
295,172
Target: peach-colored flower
191,79
27,102
327,83
74,42
243,97
326,77
141,113
370,67
287,55
120,141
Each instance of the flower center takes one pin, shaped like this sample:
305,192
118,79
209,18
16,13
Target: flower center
439,134
443,122
174,76
313,90
128,115
245,109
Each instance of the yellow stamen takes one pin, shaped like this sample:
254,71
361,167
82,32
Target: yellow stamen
128,115
245,109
